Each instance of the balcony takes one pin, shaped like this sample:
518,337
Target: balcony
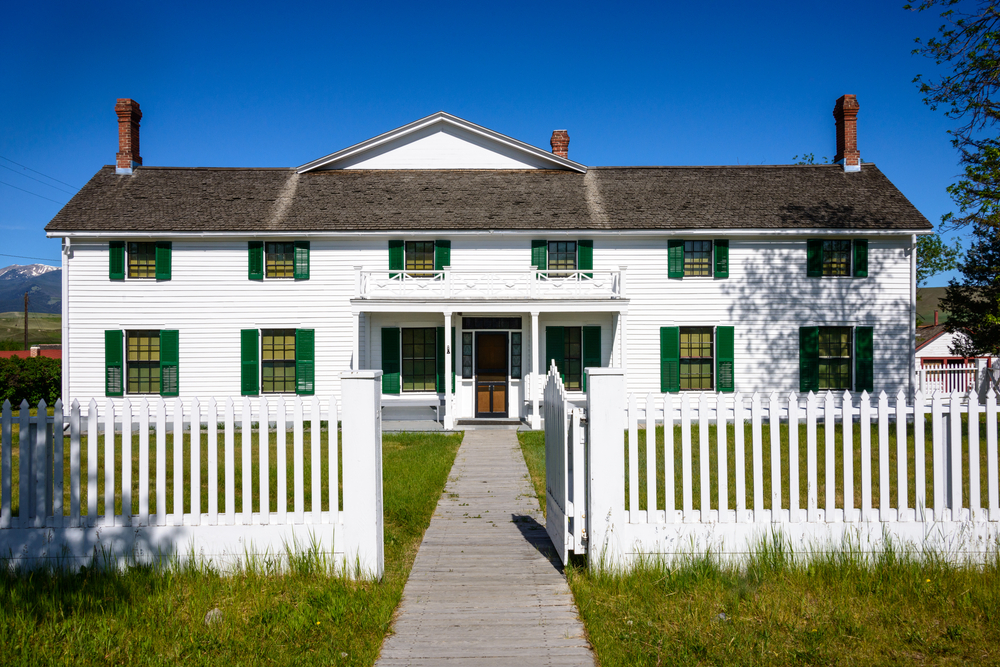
491,285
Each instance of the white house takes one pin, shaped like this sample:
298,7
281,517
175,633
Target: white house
446,245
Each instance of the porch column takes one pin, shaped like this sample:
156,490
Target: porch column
536,419
356,342
623,323
449,389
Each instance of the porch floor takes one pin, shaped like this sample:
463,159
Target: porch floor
486,587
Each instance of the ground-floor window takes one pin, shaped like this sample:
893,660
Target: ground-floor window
419,359
278,360
835,358
143,362
696,358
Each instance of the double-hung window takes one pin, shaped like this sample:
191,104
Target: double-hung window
573,349
418,259
697,358
413,359
419,359
278,260
277,361
140,260
836,359
141,361
561,259
697,258
844,258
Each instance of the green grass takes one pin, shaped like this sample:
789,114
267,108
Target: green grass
43,328
304,616
833,608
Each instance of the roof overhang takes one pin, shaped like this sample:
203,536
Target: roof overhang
446,119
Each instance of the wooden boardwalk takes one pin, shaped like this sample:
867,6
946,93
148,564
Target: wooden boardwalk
486,588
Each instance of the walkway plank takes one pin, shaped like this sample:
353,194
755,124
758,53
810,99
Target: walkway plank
486,588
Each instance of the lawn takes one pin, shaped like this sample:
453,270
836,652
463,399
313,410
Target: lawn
840,608
43,328
305,616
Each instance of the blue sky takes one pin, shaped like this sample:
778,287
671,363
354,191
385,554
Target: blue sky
278,84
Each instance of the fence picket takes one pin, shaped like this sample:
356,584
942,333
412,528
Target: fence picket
722,454
177,518
758,457
669,486
847,442
902,492
992,464
213,462
92,446
315,430
633,458
651,513
126,444
706,486
143,519
955,439
282,462
812,467
975,500
195,457
42,481
58,445
829,455
938,434
333,449
919,459
246,451
865,419
161,461
7,440
109,463
297,461
774,430
229,461
263,447
793,458
686,473
24,455
739,431
884,509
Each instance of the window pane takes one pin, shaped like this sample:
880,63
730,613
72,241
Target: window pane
141,260
836,258
562,257
280,259
697,258
420,257
420,359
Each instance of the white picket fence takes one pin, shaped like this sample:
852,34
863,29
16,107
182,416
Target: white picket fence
628,512
145,527
948,379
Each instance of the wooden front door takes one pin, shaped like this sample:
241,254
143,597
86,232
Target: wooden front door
491,374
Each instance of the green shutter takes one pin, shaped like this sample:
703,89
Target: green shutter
675,259
721,258
300,270
305,362
439,346
555,349
814,258
585,257
390,360
860,258
454,363
591,350
540,254
396,263
249,368
725,358
116,260
670,359
256,260
808,359
163,260
169,358
113,363
864,352
442,255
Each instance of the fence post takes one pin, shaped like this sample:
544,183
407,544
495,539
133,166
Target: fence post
361,392
606,467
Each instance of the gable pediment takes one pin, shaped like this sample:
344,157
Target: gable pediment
442,141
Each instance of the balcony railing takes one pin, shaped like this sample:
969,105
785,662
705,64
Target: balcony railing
512,284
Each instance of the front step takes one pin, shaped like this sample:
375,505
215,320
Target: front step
473,423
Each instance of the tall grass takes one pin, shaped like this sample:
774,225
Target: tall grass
296,615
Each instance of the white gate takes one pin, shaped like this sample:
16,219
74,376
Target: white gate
565,465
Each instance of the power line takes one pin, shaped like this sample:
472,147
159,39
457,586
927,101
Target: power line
38,172
30,192
44,259
37,180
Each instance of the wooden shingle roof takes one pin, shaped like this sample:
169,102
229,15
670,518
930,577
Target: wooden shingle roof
164,200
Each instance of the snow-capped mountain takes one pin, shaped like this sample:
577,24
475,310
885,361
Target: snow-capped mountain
43,284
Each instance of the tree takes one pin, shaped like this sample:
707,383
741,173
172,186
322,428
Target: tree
934,257
974,304
969,42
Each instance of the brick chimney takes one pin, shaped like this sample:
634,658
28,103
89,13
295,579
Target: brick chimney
845,111
560,143
128,136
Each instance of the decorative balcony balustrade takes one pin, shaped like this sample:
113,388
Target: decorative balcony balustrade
511,284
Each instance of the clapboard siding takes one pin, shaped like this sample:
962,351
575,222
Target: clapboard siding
209,299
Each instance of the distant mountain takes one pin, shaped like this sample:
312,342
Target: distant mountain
43,284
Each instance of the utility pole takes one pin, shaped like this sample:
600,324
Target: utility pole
25,320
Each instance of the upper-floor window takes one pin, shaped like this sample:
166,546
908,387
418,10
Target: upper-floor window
418,259
562,258
837,257
140,260
278,260
697,258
